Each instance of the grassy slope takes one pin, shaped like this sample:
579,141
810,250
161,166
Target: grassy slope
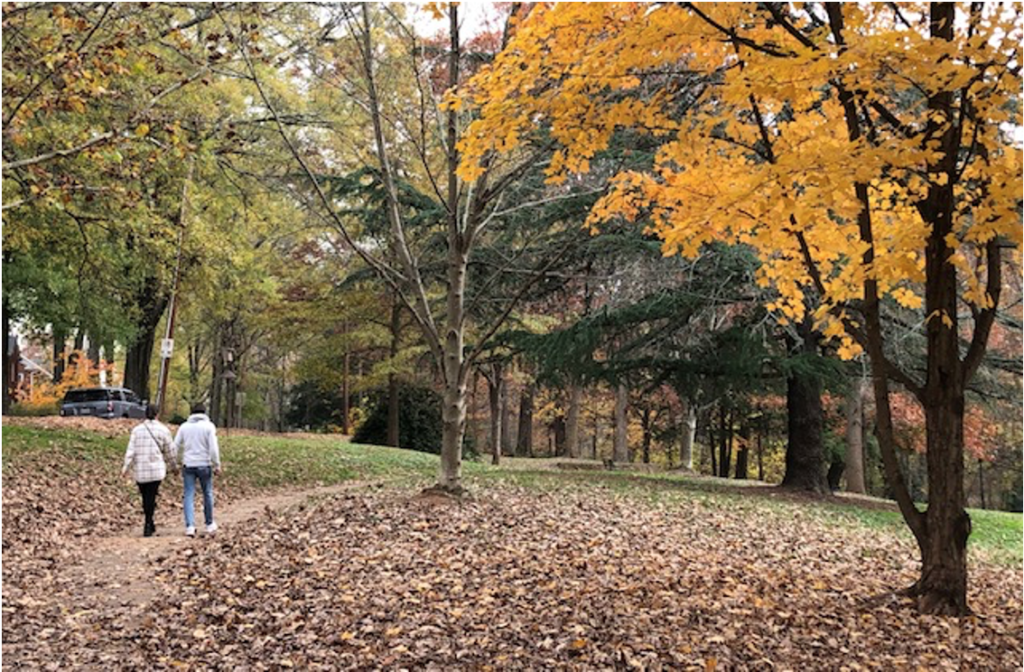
273,462
997,536
263,462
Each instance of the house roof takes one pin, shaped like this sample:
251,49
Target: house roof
29,365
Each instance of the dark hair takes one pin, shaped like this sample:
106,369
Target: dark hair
151,411
199,407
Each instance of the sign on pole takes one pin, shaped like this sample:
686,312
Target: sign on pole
166,347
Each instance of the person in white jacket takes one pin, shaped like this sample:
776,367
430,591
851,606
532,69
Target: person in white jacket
201,459
149,442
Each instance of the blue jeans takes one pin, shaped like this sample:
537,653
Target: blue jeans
205,476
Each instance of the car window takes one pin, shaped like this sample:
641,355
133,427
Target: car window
130,396
85,396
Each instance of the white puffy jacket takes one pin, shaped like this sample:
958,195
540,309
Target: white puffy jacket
199,438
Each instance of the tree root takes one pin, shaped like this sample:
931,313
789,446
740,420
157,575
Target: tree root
935,602
456,493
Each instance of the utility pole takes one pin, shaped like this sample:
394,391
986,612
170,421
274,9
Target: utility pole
167,345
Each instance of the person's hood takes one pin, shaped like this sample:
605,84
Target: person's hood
198,417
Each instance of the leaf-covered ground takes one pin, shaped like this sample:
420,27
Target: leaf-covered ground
548,574
62,487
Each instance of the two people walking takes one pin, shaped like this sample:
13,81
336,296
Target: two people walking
151,443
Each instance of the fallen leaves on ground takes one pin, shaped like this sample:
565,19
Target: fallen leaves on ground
517,578
59,496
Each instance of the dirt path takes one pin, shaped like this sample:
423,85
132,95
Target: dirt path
123,570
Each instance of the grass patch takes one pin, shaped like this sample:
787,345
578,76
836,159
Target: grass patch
269,462
263,462
25,443
997,536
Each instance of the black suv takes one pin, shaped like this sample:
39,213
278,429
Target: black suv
103,402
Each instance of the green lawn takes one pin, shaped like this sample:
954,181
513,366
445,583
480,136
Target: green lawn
252,461
268,462
997,536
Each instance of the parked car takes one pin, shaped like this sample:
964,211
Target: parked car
103,402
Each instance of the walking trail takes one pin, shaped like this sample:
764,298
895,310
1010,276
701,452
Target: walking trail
121,570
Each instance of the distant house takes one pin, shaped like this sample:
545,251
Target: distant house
27,373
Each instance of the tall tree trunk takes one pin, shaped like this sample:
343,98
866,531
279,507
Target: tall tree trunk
743,453
140,353
281,395
834,476
137,362
712,448
724,440
942,588
508,444
195,354
230,397
393,400
108,366
687,434
645,423
495,394
760,451
454,411
558,436
217,383
620,448
93,352
10,361
805,453
981,483
855,438
346,411
77,347
942,530
572,422
524,439
59,352
805,464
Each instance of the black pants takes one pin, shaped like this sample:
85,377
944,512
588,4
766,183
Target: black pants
149,492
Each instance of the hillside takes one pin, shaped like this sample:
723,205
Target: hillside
539,568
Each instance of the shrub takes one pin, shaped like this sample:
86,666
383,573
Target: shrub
312,407
419,422
30,409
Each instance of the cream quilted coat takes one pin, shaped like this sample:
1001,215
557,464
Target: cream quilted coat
149,443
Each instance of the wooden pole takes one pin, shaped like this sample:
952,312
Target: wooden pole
165,361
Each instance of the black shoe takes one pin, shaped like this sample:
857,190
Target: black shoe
149,530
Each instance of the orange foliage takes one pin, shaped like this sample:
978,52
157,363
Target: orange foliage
46,395
981,434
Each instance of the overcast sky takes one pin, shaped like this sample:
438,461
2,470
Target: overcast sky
474,17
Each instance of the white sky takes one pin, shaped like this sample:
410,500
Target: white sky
473,18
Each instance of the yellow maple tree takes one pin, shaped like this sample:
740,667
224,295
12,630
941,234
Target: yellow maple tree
867,152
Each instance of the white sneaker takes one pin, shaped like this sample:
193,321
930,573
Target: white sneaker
211,528
190,531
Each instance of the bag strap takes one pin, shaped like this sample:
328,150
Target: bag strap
160,448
